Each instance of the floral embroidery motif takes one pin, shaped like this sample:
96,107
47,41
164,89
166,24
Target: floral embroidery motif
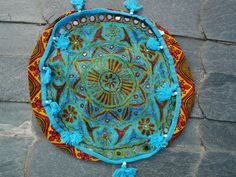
110,80
58,72
69,114
104,137
76,42
146,127
113,33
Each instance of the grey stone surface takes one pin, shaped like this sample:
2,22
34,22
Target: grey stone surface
13,152
49,161
215,164
192,50
14,78
218,19
21,11
190,137
167,163
218,136
52,9
219,58
179,17
36,128
14,113
217,97
205,148
18,39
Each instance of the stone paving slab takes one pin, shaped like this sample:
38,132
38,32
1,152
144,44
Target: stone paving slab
190,137
17,42
178,17
217,97
21,11
18,39
216,164
218,136
13,153
14,113
218,19
219,58
167,163
14,78
49,161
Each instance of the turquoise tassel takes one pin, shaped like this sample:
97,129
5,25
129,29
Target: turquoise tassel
46,75
62,42
125,172
157,141
132,5
166,92
55,108
153,44
78,4
71,138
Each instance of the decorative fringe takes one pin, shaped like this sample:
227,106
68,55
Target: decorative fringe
132,5
157,141
153,44
62,42
78,4
125,172
46,75
166,92
71,138
55,108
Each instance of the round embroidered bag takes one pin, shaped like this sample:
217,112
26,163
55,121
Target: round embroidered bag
109,85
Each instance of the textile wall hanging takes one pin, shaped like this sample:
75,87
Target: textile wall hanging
109,85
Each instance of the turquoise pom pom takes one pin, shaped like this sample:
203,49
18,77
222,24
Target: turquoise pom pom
46,75
62,42
125,172
71,138
157,141
132,5
166,92
78,4
55,108
153,44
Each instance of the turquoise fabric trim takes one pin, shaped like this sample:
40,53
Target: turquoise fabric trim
172,69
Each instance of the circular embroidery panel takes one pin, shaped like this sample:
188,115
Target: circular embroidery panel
108,86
